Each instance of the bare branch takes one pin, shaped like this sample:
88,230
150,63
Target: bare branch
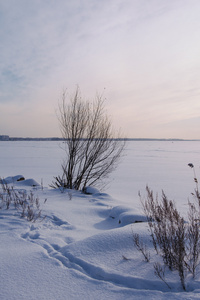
92,149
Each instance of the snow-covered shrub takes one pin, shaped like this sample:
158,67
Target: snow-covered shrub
168,232
175,239
26,203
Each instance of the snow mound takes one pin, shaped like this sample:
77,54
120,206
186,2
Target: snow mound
117,211
28,182
12,179
89,190
19,180
129,217
124,215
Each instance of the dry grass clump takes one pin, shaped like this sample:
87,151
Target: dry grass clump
26,203
176,240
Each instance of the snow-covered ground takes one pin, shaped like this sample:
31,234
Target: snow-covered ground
83,247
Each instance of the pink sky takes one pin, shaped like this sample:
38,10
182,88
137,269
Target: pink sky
143,55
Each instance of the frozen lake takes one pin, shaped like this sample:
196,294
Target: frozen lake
160,164
82,247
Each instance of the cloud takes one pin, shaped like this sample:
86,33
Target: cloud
145,53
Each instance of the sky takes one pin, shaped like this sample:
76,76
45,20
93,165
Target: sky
142,55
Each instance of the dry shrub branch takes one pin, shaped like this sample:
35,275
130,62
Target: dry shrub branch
92,148
26,203
175,239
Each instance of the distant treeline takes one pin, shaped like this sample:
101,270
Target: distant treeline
7,138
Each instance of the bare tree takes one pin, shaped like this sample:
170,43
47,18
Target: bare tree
92,149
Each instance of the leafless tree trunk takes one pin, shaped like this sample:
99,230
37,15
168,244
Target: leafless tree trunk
92,149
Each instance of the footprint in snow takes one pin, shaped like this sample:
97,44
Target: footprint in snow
59,222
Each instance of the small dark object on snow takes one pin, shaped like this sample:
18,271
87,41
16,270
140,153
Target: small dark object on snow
191,165
20,179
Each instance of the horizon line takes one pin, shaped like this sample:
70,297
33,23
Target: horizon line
8,138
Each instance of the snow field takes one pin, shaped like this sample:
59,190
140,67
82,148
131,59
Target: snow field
82,247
